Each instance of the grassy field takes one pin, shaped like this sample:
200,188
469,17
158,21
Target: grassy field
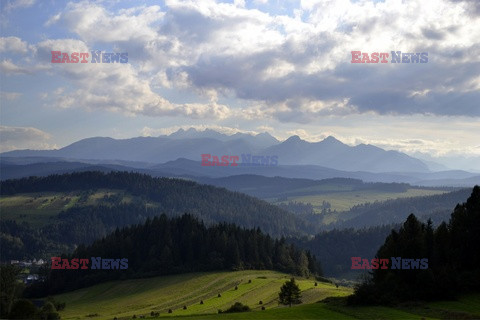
35,208
40,207
322,311
344,200
141,296
468,305
124,299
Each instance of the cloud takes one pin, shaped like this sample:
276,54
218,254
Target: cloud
8,67
292,68
302,64
147,131
15,4
16,138
93,23
473,6
114,87
433,147
13,44
119,88
10,95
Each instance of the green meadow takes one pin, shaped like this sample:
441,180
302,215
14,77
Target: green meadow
139,297
40,208
35,208
124,299
344,200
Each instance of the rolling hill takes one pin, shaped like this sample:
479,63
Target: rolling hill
80,207
123,299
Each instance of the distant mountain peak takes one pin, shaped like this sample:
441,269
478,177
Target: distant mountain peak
294,138
192,133
182,131
266,134
267,137
332,139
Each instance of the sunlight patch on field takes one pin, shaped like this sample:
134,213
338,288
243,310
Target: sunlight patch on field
39,208
159,294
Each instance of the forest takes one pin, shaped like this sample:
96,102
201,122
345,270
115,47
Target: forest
163,246
451,250
174,197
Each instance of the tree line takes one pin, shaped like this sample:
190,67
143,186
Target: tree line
334,248
163,246
452,253
437,207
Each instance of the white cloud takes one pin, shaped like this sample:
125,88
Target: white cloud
13,44
265,128
93,23
115,87
256,56
15,4
8,67
148,132
52,20
16,138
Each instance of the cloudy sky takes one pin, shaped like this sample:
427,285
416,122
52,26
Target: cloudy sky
283,67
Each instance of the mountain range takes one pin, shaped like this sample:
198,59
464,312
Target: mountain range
191,144
179,155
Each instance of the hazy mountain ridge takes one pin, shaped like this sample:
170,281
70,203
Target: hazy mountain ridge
179,155
13,168
190,144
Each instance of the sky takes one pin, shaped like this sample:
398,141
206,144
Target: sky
283,67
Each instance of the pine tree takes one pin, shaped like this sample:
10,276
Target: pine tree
290,293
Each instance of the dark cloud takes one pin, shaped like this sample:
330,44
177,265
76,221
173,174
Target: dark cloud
383,88
474,6
433,34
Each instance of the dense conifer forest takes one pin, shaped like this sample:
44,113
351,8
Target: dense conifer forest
163,246
451,250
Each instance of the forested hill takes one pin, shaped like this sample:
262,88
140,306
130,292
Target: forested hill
165,245
163,195
436,207
450,253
